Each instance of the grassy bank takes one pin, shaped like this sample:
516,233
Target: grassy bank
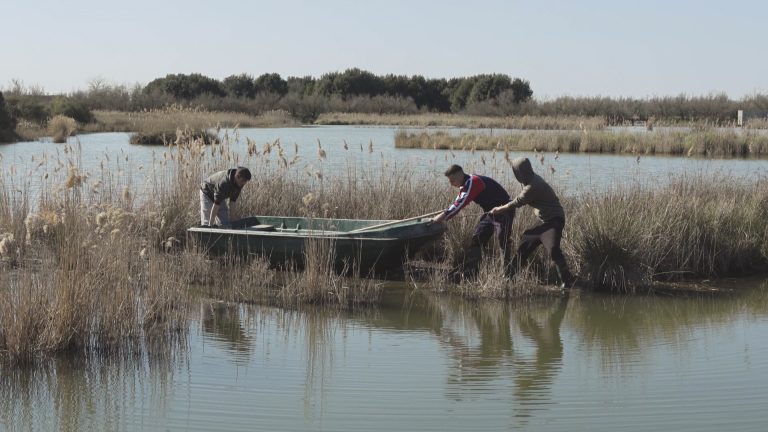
159,126
464,121
709,143
173,118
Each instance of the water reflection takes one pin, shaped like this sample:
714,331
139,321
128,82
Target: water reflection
222,322
495,346
424,362
621,330
87,394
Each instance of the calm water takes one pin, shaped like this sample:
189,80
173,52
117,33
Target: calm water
573,173
428,363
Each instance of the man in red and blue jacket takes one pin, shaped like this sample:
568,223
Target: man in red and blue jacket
487,193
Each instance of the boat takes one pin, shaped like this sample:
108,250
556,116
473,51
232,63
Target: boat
370,246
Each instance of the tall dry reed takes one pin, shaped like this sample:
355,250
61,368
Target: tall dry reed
464,121
61,127
706,143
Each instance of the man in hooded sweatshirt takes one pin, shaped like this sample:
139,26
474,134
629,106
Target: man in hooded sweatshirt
216,189
486,193
546,206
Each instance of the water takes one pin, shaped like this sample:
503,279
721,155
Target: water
572,173
426,362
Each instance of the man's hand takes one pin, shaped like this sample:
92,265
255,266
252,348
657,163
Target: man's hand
439,218
498,210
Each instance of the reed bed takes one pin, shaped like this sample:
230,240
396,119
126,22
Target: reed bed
61,127
464,121
704,143
756,123
172,118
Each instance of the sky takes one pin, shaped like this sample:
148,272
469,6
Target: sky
576,48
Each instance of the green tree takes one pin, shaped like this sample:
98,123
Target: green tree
397,85
271,83
186,87
326,84
460,94
240,86
303,86
357,82
488,87
521,90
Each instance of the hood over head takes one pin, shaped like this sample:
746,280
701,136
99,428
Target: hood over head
523,170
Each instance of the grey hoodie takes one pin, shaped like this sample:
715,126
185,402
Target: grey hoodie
536,192
220,186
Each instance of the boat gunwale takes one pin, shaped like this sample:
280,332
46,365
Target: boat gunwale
296,235
325,234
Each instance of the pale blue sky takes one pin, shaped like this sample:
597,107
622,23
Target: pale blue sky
591,47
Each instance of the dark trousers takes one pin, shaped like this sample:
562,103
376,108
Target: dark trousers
487,226
548,234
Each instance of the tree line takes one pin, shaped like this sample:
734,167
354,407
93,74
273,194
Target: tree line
356,90
430,94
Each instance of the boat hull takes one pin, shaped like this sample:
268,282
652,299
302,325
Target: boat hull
376,251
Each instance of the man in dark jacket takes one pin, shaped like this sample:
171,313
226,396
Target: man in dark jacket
214,192
487,193
546,206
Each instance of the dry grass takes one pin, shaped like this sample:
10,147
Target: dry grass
61,127
93,297
756,123
693,228
321,283
464,121
154,124
173,118
707,143
169,138
492,283
30,131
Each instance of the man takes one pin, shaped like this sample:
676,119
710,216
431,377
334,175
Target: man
487,193
546,206
214,192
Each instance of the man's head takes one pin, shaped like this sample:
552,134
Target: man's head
242,176
455,175
523,170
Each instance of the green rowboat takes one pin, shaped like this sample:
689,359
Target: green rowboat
373,246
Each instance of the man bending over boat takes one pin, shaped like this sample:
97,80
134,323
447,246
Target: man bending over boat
538,194
214,192
486,193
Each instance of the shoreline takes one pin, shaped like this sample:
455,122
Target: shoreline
545,134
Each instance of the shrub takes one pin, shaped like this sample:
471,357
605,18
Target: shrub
75,109
29,109
7,122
